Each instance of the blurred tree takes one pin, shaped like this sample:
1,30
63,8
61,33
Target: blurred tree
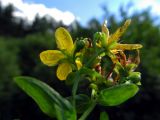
22,27
94,25
9,69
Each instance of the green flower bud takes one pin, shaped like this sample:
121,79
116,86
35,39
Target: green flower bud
80,44
131,67
135,77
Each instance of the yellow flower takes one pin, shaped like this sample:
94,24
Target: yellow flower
66,49
112,40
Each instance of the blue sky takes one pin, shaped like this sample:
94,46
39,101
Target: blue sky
82,10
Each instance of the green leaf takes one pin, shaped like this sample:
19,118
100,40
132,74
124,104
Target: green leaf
104,116
117,94
46,97
64,115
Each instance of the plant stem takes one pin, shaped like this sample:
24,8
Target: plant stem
94,57
88,111
75,87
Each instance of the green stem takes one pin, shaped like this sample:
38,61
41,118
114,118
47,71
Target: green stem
75,86
76,82
88,111
94,57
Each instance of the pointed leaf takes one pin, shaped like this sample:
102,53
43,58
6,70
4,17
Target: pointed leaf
44,96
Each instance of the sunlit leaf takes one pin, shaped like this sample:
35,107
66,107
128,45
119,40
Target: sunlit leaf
116,95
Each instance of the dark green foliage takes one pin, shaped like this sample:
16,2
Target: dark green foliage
9,68
104,116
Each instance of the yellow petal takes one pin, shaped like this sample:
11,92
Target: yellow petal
78,63
63,70
64,40
128,46
119,32
114,51
51,57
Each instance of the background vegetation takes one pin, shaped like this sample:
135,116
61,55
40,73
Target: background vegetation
21,43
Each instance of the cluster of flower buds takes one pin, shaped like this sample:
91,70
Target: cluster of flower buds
109,58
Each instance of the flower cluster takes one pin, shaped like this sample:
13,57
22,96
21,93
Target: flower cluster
93,56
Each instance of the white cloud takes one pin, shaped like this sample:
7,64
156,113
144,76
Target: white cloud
29,10
153,4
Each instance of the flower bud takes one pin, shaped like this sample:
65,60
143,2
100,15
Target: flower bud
135,77
80,44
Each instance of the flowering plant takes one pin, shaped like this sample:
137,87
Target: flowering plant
101,63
